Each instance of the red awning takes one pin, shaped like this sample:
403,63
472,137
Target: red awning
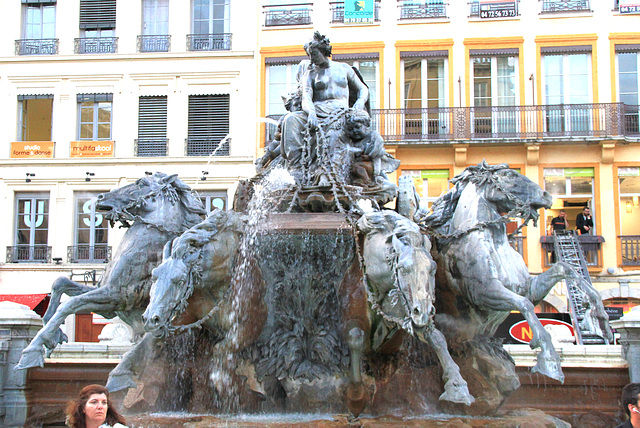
31,300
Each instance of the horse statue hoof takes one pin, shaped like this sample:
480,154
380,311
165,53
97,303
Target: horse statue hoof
119,382
30,358
457,393
549,369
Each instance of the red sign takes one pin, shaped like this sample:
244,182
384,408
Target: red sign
521,331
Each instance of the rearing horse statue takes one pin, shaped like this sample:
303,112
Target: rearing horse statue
160,207
484,277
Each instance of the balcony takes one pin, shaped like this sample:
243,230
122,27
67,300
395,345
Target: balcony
208,42
96,45
207,147
566,121
160,43
151,147
89,254
554,6
337,12
36,47
287,14
410,10
29,254
630,250
591,245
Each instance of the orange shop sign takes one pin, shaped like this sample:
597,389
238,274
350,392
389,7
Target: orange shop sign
91,149
521,331
31,149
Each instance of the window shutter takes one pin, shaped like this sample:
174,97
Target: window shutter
97,14
152,118
208,124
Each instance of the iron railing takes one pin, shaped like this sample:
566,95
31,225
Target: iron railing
591,246
285,14
419,11
88,254
337,11
151,147
29,253
36,47
630,250
209,42
206,147
507,122
99,45
552,6
158,43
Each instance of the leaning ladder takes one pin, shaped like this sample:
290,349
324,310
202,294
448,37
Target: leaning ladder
567,249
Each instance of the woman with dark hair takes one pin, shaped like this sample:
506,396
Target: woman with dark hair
93,409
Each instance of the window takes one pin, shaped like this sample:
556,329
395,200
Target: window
367,65
430,184
97,25
90,232
94,117
424,94
212,200
572,189
208,126
628,63
495,92
282,80
210,26
152,126
629,188
566,84
38,28
34,117
32,229
155,26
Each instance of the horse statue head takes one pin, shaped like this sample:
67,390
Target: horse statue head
157,199
399,269
487,194
201,258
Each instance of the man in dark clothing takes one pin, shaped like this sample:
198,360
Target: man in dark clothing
629,399
560,222
584,222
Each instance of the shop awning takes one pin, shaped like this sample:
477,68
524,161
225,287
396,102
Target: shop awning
31,300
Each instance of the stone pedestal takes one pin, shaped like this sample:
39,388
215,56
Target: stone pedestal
629,328
18,325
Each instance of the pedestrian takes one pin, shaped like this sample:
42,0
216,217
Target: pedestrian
560,222
629,399
584,222
93,409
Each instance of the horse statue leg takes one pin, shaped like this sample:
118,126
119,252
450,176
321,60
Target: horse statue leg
496,297
357,395
455,387
596,314
60,286
132,363
98,300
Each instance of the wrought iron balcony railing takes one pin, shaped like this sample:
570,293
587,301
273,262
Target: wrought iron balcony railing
150,147
36,47
29,253
510,122
207,147
97,45
552,6
337,11
287,14
208,42
630,250
89,254
159,43
410,10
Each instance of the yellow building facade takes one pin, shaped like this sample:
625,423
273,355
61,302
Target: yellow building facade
549,87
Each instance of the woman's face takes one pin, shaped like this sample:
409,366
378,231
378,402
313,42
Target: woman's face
316,56
96,409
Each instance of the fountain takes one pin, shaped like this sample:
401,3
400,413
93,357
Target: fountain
310,296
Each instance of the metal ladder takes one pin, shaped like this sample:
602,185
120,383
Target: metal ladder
567,249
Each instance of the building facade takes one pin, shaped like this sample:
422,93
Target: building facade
97,93
549,87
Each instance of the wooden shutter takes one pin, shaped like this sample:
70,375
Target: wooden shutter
97,14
